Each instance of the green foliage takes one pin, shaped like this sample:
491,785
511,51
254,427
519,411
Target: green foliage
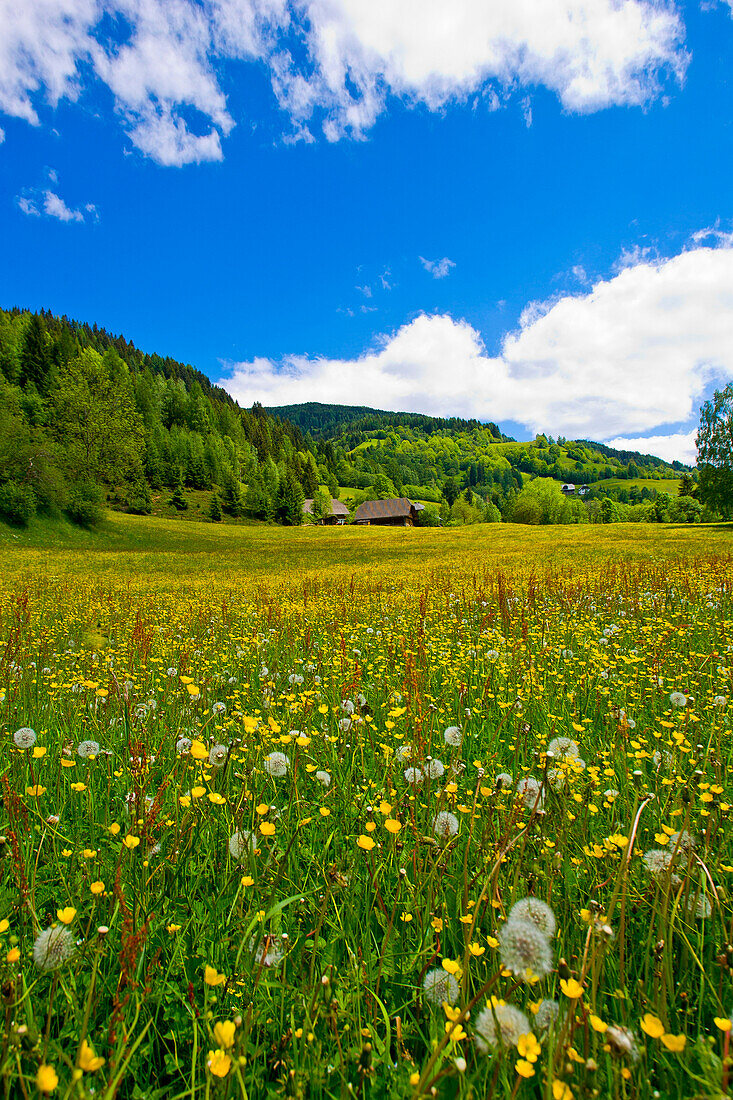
17,503
215,510
541,501
715,451
85,505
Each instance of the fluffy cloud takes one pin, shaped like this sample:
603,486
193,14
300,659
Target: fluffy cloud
335,61
680,446
438,268
40,201
633,354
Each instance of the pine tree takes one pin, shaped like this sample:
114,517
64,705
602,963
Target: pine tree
35,355
232,502
215,512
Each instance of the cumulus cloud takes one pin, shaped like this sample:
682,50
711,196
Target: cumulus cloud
679,446
42,201
632,355
438,268
334,63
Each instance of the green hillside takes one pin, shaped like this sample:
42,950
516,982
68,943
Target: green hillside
88,420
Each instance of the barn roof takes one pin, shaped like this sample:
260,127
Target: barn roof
338,508
384,509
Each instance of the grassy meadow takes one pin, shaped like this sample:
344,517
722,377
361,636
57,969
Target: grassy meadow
338,812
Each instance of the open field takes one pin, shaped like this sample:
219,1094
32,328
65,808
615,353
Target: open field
152,550
274,801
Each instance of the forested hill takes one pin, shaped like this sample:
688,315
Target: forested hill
88,420
326,421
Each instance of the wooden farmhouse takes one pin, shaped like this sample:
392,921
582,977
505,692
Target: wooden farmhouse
337,515
399,512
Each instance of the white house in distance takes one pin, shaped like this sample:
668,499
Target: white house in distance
570,490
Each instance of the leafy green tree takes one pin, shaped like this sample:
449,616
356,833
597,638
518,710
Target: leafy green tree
715,452
95,420
609,511
540,501
321,504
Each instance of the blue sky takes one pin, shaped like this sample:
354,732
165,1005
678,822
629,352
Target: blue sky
521,214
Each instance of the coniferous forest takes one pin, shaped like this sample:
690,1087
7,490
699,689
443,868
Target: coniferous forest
89,421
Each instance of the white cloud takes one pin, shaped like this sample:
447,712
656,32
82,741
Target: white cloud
335,62
679,447
632,355
43,201
438,268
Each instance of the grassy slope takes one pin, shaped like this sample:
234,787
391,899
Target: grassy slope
154,551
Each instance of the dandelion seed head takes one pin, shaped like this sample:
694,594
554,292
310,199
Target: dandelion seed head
525,950
85,749
445,825
536,912
53,947
546,1015
276,764
413,776
531,793
324,778
563,747
241,843
24,738
434,769
439,986
453,736
218,756
500,1025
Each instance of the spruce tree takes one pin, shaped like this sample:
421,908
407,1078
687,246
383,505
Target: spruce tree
215,512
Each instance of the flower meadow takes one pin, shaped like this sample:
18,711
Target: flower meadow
457,835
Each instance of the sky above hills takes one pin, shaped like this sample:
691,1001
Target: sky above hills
520,211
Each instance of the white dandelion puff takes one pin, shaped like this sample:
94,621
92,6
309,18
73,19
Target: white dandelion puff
439,986
85,749
434,769
24,738
324,778
562,747
445,825
218,756
276,764
546,1015
453,736
241,843
537,912
525,950
53,947
413,776
502,1024
531,793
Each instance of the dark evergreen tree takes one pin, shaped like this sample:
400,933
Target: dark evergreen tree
35,355
215,510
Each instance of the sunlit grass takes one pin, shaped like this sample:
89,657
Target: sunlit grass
260,898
